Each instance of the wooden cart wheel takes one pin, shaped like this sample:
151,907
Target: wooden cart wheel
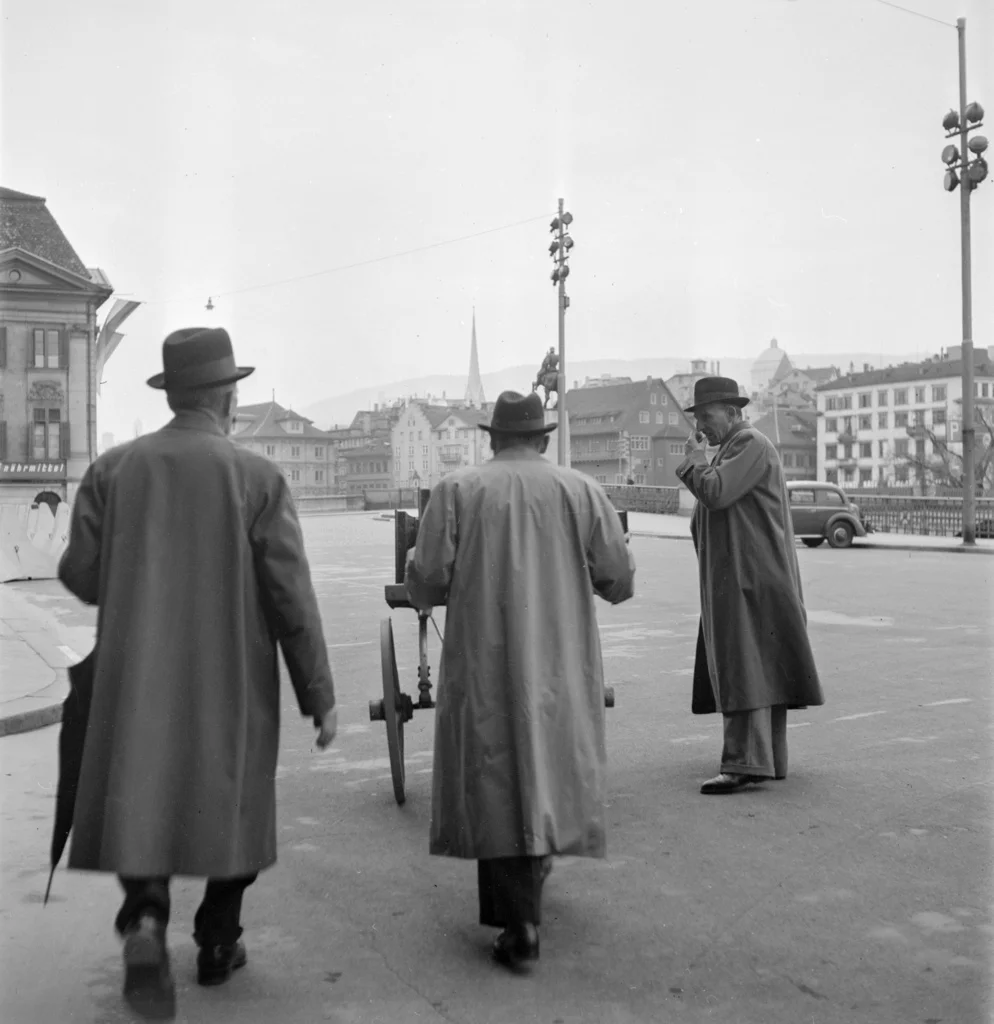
393,709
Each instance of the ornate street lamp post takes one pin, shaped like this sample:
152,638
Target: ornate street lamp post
559,250
967,173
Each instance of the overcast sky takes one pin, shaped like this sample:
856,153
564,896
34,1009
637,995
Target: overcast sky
737,170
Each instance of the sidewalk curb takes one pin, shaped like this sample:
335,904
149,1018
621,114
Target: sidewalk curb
32,718
953,550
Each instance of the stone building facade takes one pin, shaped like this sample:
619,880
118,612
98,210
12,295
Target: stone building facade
48,331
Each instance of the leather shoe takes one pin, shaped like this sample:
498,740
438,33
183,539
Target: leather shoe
546,866
216,963
725,782
148,980
517,947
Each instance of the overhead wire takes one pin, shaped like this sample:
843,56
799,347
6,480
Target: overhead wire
918,14
369,262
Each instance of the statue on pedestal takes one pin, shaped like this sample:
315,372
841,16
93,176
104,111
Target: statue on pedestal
548,377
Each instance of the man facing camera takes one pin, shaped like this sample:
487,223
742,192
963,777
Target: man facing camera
754,658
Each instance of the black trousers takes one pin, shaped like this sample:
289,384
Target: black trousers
218,918
510,891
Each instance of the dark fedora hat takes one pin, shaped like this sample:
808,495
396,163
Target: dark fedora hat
198,357
709,390
518,414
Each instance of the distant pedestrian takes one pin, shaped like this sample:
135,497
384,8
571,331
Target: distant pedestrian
191,547
519,547
754,658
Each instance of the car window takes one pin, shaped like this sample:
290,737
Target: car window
802,497
830,498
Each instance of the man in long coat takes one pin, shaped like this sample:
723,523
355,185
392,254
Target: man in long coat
754,658
520,547
191,547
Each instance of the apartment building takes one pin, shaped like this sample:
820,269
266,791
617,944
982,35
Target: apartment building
429,441
633,431
874,427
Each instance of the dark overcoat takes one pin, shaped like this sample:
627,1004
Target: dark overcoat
191,547
753,649
521,547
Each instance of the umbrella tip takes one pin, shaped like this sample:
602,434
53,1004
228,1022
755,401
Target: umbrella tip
48,888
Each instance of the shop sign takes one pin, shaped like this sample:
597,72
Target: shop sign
32,470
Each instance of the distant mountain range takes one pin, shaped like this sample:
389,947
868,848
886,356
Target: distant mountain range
340,409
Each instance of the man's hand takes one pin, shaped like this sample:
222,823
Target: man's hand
695,443
328,728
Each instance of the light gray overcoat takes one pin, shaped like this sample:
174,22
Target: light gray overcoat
521,547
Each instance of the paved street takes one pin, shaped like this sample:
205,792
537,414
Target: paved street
855,891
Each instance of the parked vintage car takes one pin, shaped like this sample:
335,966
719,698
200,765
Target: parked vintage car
821,511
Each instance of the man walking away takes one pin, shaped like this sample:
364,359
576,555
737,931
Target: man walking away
519,546
191,547
754,658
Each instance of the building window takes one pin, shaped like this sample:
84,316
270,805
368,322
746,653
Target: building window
847,475
410,451
424,449
919,395
295,451
919,418
901,396
847,451
901,475
601,479
831,451
640,444
662,399
674,419
319,476
901,447
883,449
882,418
900,419
271,451
882,398
866,449
46,434
831,404
643,416
939,393
865,476
319,451
832,425
865,399
659,417
424,465
295,476
788,460
938,417
866,423
676,449
46,349
653,397
847,401
660,462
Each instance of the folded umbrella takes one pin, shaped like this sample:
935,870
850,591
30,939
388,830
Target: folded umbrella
72,738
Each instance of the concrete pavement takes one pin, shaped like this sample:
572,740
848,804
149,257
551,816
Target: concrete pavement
43,630
854,892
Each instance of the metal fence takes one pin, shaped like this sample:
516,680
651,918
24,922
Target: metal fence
938,517
661,500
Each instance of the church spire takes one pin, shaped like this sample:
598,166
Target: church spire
474,386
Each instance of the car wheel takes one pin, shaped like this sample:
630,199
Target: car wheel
840,535
813,542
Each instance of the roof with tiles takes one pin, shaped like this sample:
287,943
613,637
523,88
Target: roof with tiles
27,224
614,405
909,373
788,426
266,420
820,374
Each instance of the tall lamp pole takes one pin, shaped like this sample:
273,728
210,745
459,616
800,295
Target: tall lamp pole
961,123
559,251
